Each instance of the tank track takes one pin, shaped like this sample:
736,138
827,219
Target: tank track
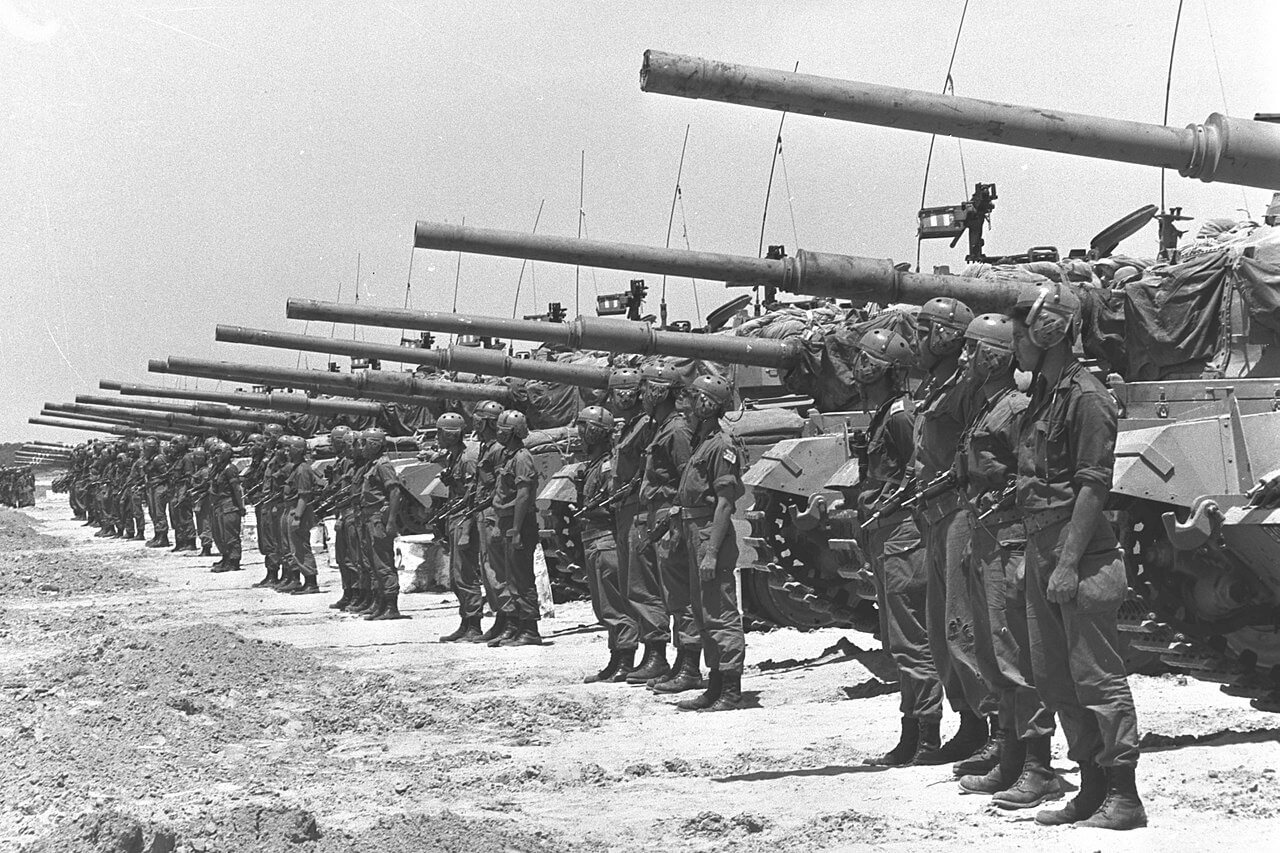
566,563
788,585
1153,621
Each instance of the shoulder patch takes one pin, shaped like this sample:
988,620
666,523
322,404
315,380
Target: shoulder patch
607,465
898,406
730,455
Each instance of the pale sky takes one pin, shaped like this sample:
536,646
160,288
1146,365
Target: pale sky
165,167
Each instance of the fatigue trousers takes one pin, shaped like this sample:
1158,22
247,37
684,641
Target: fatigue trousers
380,553
158,506
898,563
124,519
136,507
273,512
266,534
105,514
204,520
949,611
717,618
298,531
226,522
494,545
607,597
517,566
997,587
181,516
75,497
671,556
638,576
1075,648
464,568
346,549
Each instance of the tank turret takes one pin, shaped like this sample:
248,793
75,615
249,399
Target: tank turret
207,410
850,277
391,387
455,358
1224,149
281,401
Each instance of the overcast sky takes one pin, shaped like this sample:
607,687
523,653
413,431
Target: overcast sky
165,167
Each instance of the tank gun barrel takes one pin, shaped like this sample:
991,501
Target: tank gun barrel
281,401
827,274
391,387
593,333
1224,149
197,422
208,410
461,359
87,426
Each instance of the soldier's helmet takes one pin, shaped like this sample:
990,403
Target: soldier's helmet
624,379
273,431
199,456
487,410
451,423
943,320
715,387
340,435
293,442
256,438
660,373
596,416
991,336
374,438
209,443
179,444
878,351
513,422
1052,313
151,443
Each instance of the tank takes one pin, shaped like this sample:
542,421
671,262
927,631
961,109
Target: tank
276,400
375,385
457,359
1222,149
91,426
207,410
121,421
160,419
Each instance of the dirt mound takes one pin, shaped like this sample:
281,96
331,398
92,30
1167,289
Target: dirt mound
18,532
33,564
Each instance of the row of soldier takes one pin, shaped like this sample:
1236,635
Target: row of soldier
997,575
17,486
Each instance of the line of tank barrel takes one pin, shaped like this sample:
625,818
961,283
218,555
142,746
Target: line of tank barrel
795,581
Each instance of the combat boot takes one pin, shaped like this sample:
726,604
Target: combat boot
987,756
652,665
375,608
291,584
273,575
929,747
186,547
362,603
222,561
1037,782
971,735
606,674
159,542
730,698
1122,808
904,751
495,630
459,633
527,635
390,609
1093,790
671,673
347,598
472,632
626,663
687,675
1013,754
706,698
207,550
310,586
510,626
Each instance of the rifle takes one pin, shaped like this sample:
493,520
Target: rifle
610,498
891,504
998,501
336,506
944,482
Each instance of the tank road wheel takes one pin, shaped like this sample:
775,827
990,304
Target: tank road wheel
566,564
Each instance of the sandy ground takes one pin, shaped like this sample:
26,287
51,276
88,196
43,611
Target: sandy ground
149,705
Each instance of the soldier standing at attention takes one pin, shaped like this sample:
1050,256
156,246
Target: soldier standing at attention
1075,568
200,496
379,510
513,506
181,512
492,544
941,415
893,541
227,501
136,489
600,549
988,462
459,473
273,476
157,470
710,486
667,456
637,570
301,489
252,483
340,473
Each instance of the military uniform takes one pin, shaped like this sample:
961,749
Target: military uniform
377,536
157,471
136,497
898,562
637,570
464,542
988,459
301,483
203,504
1067,439
346,541
226,500
600,549
668,454
492,543
714,470
940,419
516,470
273,474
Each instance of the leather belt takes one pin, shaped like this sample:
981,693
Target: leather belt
697,513
939,507
1037,521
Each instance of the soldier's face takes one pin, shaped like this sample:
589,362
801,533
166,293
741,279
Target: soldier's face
1027,353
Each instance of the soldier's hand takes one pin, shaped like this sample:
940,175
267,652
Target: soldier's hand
514,537
707,567
1063,582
